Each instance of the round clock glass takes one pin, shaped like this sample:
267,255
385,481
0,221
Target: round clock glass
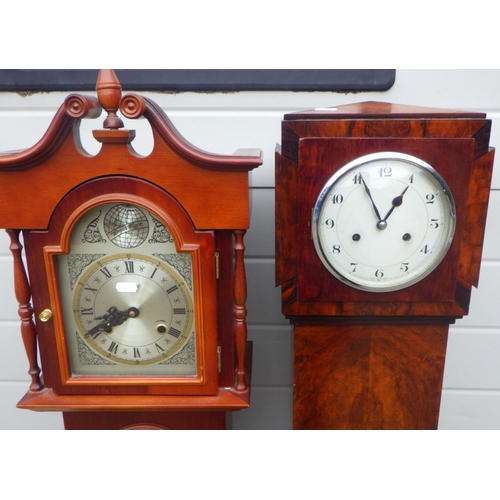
383,222
127,296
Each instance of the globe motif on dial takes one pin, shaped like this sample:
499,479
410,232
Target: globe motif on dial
126,226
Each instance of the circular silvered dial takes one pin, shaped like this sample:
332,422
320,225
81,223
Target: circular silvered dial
383,222
133,309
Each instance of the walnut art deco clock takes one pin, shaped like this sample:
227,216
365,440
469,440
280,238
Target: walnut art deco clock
380,215
135,271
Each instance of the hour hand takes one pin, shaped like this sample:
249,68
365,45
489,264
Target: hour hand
396,202
103,326
112,318
116,317
368,192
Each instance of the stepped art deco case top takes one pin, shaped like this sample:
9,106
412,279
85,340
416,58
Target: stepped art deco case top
380,217
135,291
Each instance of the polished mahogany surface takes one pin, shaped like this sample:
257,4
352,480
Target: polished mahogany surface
201,197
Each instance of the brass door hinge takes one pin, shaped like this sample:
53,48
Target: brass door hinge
219,358
217,265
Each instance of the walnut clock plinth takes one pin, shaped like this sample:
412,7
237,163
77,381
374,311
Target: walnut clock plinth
380,217
134,291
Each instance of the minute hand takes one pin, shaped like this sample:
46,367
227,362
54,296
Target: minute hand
396,202
367,189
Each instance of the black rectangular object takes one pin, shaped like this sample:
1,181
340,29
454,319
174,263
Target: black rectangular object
202,80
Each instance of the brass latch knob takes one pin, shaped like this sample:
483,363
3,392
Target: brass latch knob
45,315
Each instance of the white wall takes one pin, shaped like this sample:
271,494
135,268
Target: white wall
222,123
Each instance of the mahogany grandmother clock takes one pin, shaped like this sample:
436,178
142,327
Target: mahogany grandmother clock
380,217
134,269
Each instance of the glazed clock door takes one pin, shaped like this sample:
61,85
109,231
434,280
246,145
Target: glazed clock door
128,284
127,296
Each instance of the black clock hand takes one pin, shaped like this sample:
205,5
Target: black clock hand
112,318
104,326
368,192
396,202
116,317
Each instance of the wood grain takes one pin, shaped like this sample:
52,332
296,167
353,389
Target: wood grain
357,377
454,142
145,420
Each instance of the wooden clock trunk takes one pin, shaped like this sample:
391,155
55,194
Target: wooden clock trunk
375,360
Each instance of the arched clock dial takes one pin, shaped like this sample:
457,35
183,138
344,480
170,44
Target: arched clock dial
127,296
383,222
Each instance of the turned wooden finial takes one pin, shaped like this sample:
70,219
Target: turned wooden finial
109,93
